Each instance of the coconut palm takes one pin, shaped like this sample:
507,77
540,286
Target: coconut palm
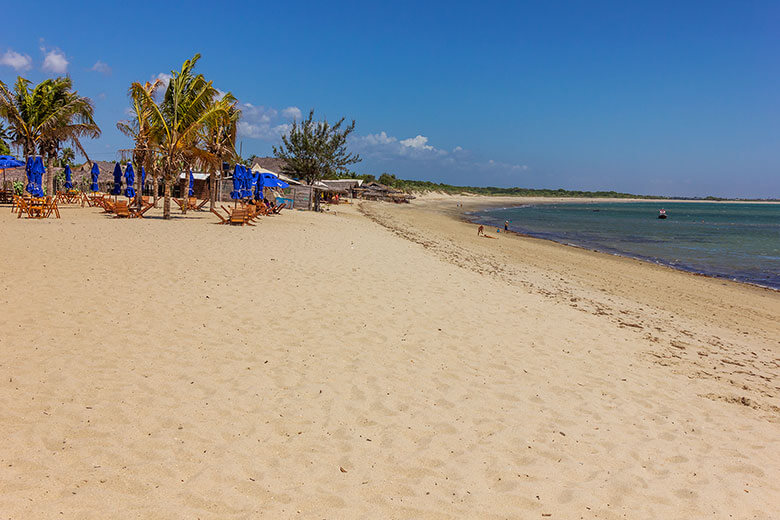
139,128
218,139
41,119
190,103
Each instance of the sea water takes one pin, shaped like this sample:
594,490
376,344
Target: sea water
738,241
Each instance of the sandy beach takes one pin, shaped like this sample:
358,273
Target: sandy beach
374,361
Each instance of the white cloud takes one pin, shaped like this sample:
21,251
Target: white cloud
164,78
102,68
386,148
292,113
16,60
383,145
54,61
266,123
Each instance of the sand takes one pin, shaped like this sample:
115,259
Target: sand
374,361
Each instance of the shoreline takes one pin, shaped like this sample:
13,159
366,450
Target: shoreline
471,217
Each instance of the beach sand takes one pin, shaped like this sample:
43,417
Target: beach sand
374,361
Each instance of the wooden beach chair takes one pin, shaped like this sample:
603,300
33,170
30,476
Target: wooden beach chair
122,209
222,220
239,217
50,206
278,209
139,212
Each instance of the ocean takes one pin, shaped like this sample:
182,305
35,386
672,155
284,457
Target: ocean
728,240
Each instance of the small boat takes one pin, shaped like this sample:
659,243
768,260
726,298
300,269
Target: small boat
662,213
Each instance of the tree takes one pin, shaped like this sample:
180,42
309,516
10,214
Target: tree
189,104
313,149
4,138
219,141
43,118
67,155
388,179
139,128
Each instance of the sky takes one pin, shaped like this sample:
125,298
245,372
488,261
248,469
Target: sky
665,98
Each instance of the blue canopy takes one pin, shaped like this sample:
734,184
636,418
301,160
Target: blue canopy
129,180
7,161
272,181
191,192
68,181
117,180
95,172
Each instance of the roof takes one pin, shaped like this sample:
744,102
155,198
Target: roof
272,164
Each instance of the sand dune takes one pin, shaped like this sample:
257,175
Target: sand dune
373,362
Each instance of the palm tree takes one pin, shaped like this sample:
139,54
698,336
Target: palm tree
43,118
140,130
188,105
219,141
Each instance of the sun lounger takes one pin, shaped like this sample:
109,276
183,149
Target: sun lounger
239,216
139,212
222,220
122,209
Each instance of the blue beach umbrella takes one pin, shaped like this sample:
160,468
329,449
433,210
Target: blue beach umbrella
143,179
35,175
30,188
272,181
246,185
7,161
191,191
95,172
236,193
129,180
68,181
117,180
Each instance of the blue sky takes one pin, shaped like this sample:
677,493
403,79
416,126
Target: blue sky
671,98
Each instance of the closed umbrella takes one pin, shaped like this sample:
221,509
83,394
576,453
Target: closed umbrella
236,193
143,179
117,180
37,170
191,191
95,172
129,180
68,181
246,185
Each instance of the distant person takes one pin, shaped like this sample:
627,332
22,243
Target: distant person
480,231
506,225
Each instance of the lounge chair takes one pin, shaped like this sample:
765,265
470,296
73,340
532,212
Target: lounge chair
222,220
122,209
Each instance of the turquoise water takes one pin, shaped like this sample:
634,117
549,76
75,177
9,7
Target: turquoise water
735,241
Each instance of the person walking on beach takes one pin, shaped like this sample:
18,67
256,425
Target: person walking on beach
506,225
480,231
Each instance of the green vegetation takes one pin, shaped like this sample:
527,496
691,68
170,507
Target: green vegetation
426,186
192,125
42,118
314,150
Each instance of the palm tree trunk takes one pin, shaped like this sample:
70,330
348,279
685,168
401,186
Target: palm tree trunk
185,192
167,199
212,190
156,188
49,176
